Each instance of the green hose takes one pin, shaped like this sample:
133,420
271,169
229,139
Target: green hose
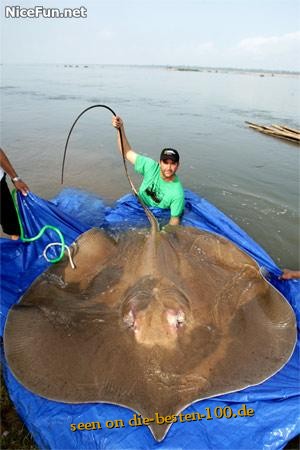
42,231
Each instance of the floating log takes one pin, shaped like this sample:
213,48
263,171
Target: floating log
279,131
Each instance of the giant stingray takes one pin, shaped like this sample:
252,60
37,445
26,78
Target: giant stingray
153,320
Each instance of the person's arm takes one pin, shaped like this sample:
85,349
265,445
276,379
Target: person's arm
290,274
130,155
8,168
176,209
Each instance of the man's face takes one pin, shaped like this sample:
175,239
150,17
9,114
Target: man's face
168,168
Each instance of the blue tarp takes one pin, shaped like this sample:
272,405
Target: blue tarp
275,402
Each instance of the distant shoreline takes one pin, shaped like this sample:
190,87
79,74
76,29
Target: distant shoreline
260,72
179,68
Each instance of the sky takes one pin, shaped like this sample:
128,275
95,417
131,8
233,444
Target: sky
253,34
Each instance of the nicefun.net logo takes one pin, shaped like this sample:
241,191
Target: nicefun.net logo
17,12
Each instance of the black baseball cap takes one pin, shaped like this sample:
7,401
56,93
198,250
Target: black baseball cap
169,153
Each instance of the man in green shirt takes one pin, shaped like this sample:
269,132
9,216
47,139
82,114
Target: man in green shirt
160,187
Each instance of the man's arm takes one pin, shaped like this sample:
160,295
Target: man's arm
130,155
8,168
177,209
290,274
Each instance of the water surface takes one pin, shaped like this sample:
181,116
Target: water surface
251,177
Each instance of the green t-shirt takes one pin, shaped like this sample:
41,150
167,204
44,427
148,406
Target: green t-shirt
154,191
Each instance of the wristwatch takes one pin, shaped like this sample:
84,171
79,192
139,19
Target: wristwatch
15,179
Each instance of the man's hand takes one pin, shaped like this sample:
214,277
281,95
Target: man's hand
290,274
174,221
22,187
117,122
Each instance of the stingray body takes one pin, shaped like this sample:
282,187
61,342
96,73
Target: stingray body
152,321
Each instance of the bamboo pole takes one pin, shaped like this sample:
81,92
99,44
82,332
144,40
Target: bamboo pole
279,131
293,130
287,130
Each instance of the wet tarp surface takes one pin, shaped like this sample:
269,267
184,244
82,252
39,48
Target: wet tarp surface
275,402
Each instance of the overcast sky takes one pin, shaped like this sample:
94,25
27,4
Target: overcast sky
220,33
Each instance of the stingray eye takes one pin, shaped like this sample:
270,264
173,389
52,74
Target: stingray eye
129,319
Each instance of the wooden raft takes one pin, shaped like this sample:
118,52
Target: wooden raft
279,131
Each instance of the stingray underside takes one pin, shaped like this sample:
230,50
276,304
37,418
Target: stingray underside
153,323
